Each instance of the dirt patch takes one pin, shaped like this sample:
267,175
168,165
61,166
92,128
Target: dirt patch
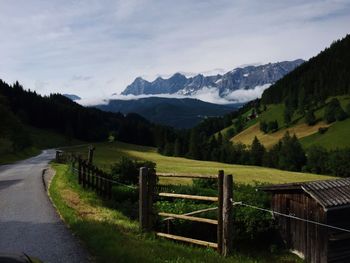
83,209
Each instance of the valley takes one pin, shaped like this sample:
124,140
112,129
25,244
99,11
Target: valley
251,162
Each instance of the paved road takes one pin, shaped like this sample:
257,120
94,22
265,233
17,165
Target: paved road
28,221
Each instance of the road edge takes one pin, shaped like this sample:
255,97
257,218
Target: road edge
47,175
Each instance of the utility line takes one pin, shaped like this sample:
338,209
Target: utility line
290,216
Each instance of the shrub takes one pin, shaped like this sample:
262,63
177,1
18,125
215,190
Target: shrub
264,127
310,118
206,183
127,170
322,130
273,126
334,112
340,114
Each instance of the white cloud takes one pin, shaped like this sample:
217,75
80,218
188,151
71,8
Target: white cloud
244,95
205,94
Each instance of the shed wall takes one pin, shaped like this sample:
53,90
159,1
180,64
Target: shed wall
339,241
309,239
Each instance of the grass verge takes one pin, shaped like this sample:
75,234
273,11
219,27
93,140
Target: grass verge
110,236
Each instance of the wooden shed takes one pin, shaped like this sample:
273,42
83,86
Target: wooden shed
326,202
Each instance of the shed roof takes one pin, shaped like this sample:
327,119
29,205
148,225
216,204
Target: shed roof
328,193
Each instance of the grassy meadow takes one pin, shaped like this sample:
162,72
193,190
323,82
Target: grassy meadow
109,153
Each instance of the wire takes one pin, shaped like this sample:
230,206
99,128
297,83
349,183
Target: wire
109,180
193,213
290,216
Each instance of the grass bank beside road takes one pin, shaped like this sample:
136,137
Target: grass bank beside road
111,236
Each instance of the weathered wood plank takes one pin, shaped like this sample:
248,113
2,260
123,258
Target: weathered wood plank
220,204
190,218
192,197
188,240
187,176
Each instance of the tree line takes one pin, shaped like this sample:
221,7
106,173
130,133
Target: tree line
20,108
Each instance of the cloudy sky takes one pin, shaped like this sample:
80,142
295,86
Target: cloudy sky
94,48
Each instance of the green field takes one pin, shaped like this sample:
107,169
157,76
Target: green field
111,236
337,136
109,153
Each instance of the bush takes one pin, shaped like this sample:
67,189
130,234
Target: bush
310,118
251,223
206,183
264,127
317,160
340,114
347,109
272,126
127,170
322,130
338,162
334,112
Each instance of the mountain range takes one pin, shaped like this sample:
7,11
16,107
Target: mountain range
241,78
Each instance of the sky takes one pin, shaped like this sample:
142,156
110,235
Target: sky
94,48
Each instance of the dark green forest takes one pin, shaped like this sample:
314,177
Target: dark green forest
20,108
324,75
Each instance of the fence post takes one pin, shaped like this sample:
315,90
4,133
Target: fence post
84,173
227,216
220,204
98,181
79,171
110,185
147,181
91,154
58,156
152,182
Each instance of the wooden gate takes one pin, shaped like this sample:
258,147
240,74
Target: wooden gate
224,222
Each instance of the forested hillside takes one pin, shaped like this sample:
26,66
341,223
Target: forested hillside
25,114
178,113
324,75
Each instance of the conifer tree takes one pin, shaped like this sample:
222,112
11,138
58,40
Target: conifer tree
257,152
310,118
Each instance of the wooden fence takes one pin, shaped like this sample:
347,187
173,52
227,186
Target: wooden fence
89,176
148,193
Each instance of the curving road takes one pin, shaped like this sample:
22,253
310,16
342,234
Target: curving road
28,221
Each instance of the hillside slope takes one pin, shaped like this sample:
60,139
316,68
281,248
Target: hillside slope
324,75
336,135
318,86
179,113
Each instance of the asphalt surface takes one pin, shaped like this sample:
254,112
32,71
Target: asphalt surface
28,221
